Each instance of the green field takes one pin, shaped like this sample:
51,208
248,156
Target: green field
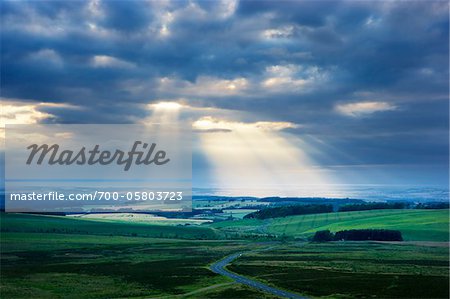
352,269
71,225
63,257
37,265
415,225
66,257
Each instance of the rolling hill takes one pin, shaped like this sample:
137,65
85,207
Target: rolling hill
415,225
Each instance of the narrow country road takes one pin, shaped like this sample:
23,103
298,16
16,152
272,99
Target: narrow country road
219,268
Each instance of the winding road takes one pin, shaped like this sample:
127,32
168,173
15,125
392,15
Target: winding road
219,268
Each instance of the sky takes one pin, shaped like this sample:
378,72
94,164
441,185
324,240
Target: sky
294,96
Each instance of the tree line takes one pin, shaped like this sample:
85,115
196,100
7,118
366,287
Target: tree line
289,211
433,206
372,206
358,235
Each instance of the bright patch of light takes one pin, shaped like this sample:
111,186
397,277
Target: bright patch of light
288,78
100,61
227,8
18,112
15,112
166,105
372,21
21,114
363,108
164,112
166,19
283,32
211,123
259,155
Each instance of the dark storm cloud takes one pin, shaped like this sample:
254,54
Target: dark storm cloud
108,57
120,15
303,13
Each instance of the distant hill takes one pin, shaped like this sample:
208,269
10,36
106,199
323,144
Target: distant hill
415,225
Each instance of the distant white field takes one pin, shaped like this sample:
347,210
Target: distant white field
141,218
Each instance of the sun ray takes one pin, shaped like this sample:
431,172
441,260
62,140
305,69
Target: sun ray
246,157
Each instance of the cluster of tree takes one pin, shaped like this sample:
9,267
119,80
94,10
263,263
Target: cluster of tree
183,214
372,206
358,235
289,211
433,205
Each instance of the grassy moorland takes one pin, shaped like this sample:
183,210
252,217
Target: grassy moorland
66,257
352,269
415,225
49,265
